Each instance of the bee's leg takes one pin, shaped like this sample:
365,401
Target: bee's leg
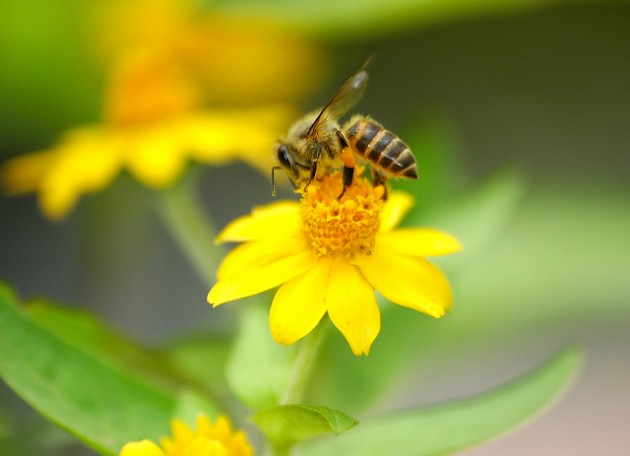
380,178
342,139
318,153
313,174
349,163
348,174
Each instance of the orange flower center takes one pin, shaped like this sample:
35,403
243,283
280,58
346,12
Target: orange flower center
342,226
145,87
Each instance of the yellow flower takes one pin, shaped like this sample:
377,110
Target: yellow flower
153,126
329,255
167,61
207,440
242,61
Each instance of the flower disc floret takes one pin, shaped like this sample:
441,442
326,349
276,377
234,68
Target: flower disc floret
341,226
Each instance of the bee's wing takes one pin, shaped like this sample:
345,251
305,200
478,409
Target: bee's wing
346,97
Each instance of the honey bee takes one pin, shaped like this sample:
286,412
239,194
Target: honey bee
315,145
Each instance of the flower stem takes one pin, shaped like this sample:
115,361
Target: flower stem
191,227
307,354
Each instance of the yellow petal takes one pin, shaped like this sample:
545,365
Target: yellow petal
240,444
222,429
154,156
141,448
57,200
352,306
409,282
181,431
256,255
203,425
300,303
201,446
276,220
88,160
251,269
24,173
397,206
212,138
90,157
418,242
221,136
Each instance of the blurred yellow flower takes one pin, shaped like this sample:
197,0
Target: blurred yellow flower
167,63
207,440
329,255
87,159
236,60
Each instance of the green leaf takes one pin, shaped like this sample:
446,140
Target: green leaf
454,426
195,361
285,425
81,329
101,404
258,369
200,361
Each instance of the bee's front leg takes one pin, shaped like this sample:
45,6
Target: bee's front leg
313,174
316,156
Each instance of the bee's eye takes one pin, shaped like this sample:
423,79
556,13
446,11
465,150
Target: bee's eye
284,157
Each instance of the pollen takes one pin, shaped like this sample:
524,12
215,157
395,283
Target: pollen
341,226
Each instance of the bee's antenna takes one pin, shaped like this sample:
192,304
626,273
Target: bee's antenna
367,62
273,181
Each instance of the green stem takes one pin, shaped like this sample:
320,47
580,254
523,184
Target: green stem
190,226
307,355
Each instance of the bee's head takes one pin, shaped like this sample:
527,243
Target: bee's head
286,161
284,157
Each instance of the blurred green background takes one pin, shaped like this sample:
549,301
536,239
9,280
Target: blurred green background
543,90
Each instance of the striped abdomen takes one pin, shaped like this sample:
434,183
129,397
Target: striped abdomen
382,149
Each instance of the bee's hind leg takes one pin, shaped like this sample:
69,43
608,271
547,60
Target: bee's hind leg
349,163
348,175
380,178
